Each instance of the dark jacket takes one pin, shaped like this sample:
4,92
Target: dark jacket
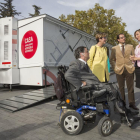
78,71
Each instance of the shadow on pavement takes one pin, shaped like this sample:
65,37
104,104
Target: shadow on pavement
116,126
137,98
89,127
16,132
20,87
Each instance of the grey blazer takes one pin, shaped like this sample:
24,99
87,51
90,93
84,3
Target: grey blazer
78,72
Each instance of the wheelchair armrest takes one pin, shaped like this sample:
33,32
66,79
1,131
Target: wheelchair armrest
86,87
110,83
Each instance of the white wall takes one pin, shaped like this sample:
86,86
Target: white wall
6,37
37,59
56,47
31,76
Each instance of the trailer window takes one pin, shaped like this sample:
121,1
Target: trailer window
5,50
6,29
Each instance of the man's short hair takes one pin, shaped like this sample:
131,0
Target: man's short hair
118,36
99,36
79,50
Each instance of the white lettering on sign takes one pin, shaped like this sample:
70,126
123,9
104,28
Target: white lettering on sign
29,45
29,50
28,40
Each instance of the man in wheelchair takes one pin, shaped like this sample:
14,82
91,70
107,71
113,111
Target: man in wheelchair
88,97
80,75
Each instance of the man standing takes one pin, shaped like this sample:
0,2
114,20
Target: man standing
124,68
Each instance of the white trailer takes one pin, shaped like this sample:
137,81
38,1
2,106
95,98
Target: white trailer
9,72
43,44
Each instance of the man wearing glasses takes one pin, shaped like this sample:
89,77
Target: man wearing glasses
124,68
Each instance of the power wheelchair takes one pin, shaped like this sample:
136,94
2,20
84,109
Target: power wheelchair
82,106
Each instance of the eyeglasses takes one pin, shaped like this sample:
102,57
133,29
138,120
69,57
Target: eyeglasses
122,37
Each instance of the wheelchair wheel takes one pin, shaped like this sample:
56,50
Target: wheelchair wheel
72,123
105,126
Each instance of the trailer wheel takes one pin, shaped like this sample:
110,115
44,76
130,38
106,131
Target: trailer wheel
72,123
105,126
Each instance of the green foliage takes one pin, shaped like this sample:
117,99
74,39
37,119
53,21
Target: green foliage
37,12
7,9
97,20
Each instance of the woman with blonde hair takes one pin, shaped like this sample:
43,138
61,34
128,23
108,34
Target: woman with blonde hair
98,58
136,58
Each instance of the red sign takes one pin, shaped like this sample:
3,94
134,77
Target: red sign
6,63
29,44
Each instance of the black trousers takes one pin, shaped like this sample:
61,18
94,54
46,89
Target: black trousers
137,73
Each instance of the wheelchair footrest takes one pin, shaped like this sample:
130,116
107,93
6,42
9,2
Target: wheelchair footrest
59,106
99,107
64,106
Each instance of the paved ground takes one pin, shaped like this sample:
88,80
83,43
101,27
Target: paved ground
40,123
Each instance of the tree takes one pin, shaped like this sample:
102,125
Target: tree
97,20
7,9
37,12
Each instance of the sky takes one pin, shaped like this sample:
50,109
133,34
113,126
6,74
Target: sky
128,10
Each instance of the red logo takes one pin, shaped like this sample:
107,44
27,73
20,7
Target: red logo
29,44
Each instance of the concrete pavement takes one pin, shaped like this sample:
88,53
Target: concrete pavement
40,123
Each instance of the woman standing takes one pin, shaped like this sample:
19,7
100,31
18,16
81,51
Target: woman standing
98,59
136,58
